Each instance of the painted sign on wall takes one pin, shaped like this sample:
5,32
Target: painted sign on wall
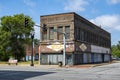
56,46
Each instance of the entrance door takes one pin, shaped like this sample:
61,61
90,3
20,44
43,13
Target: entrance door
92,57
69,59
102,57
44,59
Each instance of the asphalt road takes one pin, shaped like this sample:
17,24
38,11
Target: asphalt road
106,72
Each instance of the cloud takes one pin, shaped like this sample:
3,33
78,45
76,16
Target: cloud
75,5
29,3
111,22
113,1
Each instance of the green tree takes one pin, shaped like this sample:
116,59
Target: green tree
115,51
14,27
37,41
118,45
4,47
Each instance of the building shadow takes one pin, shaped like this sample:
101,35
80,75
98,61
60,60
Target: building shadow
20,75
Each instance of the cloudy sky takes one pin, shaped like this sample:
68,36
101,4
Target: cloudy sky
104,13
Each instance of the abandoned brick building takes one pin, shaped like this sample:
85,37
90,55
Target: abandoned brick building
85,41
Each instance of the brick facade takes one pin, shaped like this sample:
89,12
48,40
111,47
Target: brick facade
85,42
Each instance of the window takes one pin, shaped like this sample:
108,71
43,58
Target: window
44,35
67,31
51,33
75,32
81,35
78,34
59,35
85,35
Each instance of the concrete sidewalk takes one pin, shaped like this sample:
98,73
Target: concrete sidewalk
91,65
74,66
56,66
87,65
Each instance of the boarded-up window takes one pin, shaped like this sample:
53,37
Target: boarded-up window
60,35
67,31
51,33
44,35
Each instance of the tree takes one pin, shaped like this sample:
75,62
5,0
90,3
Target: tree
37,42
4,47
18,34
115,51
118,45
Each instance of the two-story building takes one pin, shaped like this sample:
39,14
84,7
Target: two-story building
85,41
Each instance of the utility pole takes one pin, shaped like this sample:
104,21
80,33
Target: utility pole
39,44
44,28
64,55
64,49
32,37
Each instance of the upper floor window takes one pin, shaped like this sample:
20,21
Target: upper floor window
59,35
51,33
44,36
67,31
81,35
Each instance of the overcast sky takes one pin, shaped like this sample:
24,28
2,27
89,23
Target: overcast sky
104,13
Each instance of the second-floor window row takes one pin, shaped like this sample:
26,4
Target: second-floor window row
51,34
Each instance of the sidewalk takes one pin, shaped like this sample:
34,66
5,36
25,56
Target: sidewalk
89,65
67,66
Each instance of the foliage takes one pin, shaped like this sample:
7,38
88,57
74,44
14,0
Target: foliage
36,41
118,45
14,35
4,47
116,51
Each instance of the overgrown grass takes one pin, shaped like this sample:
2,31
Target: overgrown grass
27,62
3,62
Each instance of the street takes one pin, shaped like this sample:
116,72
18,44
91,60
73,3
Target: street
105,72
